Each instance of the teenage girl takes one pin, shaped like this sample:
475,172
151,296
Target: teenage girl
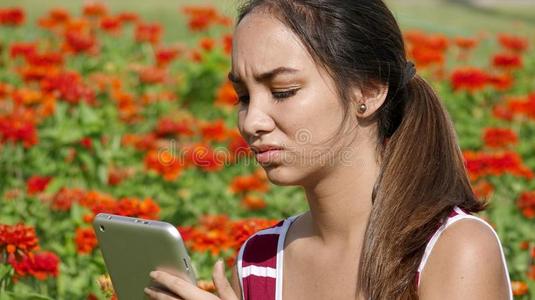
329,102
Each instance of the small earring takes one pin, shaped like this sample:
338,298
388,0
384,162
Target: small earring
362,108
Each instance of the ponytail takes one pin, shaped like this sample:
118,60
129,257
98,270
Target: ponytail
422,178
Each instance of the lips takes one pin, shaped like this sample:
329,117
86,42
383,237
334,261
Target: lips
265,147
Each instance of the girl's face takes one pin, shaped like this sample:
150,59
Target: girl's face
286,101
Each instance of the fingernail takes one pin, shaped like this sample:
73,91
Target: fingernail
152,274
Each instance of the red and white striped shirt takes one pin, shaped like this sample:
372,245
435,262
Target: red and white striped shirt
260,259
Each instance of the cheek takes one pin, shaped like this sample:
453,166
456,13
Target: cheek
313,117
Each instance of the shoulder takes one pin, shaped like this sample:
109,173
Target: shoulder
466,262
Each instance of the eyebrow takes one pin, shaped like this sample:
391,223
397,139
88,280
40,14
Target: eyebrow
264,76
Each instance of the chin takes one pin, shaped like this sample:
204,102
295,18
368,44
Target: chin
280,175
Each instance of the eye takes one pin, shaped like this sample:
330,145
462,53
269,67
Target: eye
279,96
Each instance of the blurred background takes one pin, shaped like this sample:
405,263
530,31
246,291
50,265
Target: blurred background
124,107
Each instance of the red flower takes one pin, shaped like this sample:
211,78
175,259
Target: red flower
39,265
15,130
200,17
214,131
22,49
166,55
12,16
167,127
481,164
148,33
514,43
470,78
227,43
64,198
18,239
87,143
111,24
499,137
70,87
526,203
507,61
78,43
238,146
85,240
37,184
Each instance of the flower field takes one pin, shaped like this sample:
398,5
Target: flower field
99,114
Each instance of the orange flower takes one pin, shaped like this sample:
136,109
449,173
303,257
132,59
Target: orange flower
85,240
205,157
200,17
501,82
164,163
426,49
470,78
519,288
466,43
226,95
483,189
244,184
499,137
151,75
95,9
207,44
252,202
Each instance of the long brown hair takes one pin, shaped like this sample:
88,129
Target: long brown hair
423,175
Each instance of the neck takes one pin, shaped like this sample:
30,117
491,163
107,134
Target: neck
340,203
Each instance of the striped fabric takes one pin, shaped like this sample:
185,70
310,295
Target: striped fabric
261,257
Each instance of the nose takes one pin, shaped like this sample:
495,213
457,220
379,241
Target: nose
256,120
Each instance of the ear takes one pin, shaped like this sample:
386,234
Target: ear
373,97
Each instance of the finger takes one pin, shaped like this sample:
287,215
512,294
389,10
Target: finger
180,287
156,294
223,287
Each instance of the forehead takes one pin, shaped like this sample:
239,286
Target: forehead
261,42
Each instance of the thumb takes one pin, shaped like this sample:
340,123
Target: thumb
222,285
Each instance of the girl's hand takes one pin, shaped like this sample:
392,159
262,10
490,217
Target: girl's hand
185,290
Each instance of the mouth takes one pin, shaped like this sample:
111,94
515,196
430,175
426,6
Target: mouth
269,156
